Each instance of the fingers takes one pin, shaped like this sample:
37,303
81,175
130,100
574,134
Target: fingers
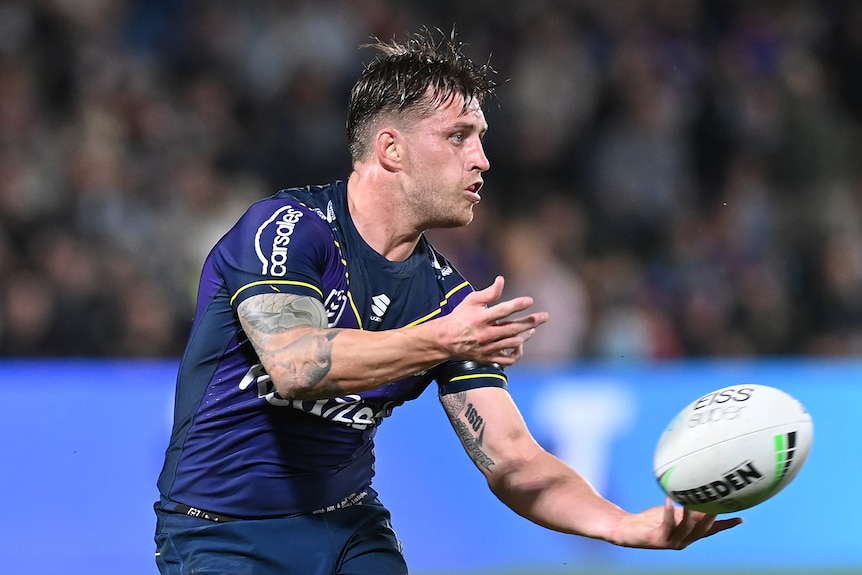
722,524
701,528
706,526
681,532
508,351
502,310
671,527
491,293
692,526
514,333
487,331
669,519
507,356
505,309
522,328
498,314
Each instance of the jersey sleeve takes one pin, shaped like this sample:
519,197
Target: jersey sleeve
457,376
277,246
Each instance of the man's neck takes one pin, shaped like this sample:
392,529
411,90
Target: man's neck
378,218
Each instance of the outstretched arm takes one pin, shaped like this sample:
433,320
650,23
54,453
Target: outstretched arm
307,360
542,488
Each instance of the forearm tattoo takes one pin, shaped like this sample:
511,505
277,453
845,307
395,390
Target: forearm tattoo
469,425
304,362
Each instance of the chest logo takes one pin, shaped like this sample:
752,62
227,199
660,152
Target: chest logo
379,305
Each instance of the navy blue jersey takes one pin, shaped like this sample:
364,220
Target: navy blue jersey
240,449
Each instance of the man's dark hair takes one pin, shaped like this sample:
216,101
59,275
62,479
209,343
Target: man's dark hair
401,77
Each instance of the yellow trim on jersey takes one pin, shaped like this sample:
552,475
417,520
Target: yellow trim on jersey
479,376
426,318
453,290
347,277
341,253
353,307
440,310
276,282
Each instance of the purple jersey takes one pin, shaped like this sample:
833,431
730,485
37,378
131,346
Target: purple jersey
240,449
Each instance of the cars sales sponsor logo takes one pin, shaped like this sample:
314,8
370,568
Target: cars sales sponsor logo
273,238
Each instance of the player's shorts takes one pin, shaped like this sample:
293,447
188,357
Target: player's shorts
355,540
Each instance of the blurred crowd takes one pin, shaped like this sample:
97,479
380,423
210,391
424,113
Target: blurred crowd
669,178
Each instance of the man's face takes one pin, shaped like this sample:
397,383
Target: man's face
443,164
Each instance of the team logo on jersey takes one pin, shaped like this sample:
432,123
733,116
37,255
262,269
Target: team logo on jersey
329,216
379,305
335,304
273,238
441,270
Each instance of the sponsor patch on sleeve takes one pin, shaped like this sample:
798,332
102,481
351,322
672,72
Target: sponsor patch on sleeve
272,240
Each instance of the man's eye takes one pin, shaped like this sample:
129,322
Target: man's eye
459,137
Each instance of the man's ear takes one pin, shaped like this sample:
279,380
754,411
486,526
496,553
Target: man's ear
388,147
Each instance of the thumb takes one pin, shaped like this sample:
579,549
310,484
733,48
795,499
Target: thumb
491,293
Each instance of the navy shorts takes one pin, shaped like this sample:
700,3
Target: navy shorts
355,540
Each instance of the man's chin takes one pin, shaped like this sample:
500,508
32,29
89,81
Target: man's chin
456,223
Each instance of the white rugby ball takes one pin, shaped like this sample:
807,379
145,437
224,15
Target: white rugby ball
733,448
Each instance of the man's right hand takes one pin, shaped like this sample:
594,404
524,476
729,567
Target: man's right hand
485,331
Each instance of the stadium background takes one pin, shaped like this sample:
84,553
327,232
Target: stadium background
674,180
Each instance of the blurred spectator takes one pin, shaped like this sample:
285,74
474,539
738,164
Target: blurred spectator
531,267
554,91
29,307
640,169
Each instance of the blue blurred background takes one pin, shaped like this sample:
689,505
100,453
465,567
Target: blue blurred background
83,443
677,181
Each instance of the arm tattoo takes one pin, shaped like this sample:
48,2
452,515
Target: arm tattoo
276,313
305,361
470,426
